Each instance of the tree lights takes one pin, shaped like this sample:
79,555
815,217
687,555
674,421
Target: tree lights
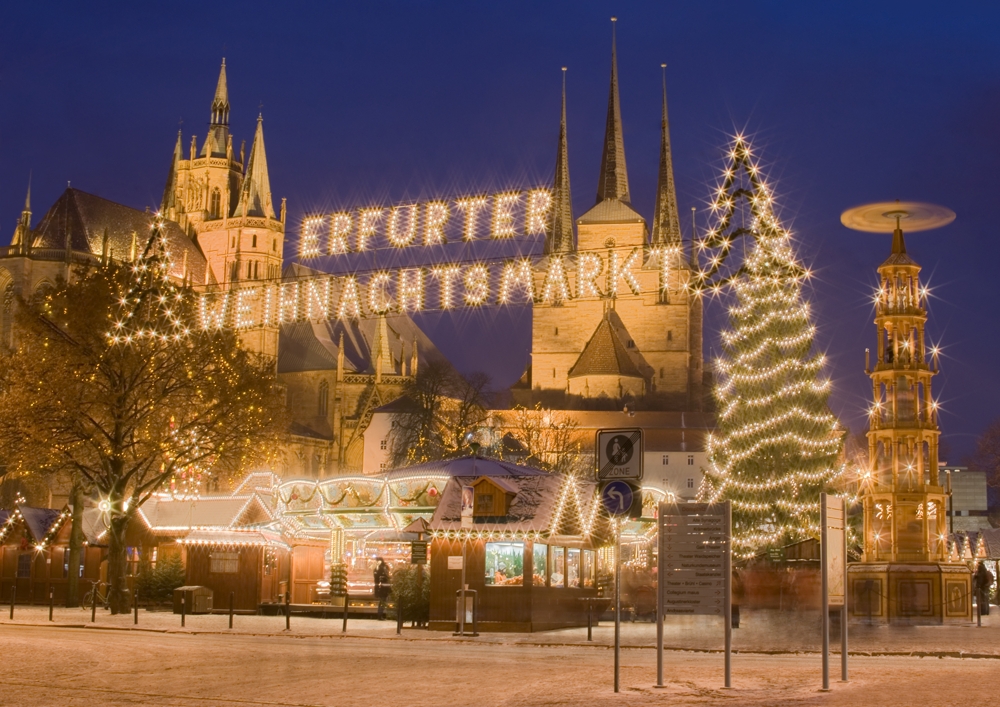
777,443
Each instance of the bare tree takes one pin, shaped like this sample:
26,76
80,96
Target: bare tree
106,381
436,411
987,455
551,439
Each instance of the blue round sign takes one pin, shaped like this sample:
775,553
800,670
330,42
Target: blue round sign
617,497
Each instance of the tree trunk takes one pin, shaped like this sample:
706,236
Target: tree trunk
75,546
119,597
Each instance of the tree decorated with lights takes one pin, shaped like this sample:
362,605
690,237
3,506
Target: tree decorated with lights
130,408
777,444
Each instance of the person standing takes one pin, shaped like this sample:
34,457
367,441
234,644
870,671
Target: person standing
382,586
983,580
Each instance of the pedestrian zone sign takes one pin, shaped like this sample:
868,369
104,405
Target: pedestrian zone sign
619,454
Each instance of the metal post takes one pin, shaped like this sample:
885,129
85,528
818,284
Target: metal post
659,610
183,609
288,611
475,613
93,603
52,594
843,609
13,595
727,569
979,608
618,600
461,603
135,606
399,617
590,620
347,599
824,552
232,601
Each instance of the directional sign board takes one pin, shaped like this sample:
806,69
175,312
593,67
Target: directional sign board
833,557
694,558
617,497
619,454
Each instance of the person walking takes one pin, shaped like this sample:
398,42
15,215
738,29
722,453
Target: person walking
982,581
382,586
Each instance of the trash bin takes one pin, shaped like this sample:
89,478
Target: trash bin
197,600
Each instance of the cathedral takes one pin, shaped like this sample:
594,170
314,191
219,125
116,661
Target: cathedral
604,345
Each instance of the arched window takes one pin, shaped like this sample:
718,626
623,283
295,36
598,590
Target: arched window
324,397
215,207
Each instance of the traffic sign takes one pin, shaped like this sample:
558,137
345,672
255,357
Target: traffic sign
618,497
619,454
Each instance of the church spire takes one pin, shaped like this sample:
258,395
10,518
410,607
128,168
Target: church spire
22,234
218,130
169,201
613,182
560,236
255,197
666,222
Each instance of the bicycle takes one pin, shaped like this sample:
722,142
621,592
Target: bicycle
103,597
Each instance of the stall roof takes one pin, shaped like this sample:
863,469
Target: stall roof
167,515
233,538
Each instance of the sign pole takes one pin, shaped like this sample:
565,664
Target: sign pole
728,613
461,609
843,608
618,597
824,553
659,611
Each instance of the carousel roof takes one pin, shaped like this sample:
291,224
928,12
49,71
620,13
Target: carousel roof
467,466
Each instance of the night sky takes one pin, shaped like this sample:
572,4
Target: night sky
846,103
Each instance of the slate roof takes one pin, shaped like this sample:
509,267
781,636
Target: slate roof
83,218
605,355
611,211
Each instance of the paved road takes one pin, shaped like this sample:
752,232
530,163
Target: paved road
75,667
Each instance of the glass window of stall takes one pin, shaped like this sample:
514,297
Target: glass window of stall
541,570
557,572
589,571
504,564
573,567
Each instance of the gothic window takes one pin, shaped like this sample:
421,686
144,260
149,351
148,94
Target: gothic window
215,208
324,397
255,240
274,244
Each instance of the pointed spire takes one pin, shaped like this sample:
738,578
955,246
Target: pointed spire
340,358
560,236
613,182
381,354
255,197
218,130
666,221
22,234
169,200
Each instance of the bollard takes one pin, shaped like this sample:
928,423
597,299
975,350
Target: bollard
475,613
979,609
288,611
135,607
399,617
232,599
183,609
347,598
93,603
590,621
52,601
13,594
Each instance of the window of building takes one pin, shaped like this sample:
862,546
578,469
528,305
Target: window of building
557,567
216,203
383,466
483,504
661,371
589,571
690,483
670,335
631,344
324,397
504,563
255,240
274,244
690,460
224,562
384,444
234,241
557,331
666,459
24,565
553,373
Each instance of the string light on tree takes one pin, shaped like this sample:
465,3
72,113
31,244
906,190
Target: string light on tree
777,444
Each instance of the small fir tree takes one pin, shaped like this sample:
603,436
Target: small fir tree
777,444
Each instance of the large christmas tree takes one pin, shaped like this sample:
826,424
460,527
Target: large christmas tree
777,444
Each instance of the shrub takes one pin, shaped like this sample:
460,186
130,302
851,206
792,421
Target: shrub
157,584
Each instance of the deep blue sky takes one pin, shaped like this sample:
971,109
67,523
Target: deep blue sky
846,102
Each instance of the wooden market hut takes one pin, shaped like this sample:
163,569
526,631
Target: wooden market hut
34,555
529,546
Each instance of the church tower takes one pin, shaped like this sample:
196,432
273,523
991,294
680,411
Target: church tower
619,323
228,210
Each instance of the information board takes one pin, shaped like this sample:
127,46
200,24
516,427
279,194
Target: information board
418,552
694,559
833,556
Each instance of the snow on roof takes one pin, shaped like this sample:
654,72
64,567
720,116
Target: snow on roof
532,508
167,515
232,537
